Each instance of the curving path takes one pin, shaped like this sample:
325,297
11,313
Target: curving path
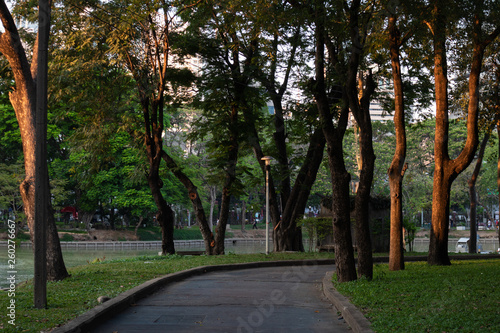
266,299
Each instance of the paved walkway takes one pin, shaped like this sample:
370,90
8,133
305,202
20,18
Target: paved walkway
267,299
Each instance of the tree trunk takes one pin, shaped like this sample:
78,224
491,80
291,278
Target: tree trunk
153,122
446,170
86,218
497,114
359,103
165,215
498,177
288,236
438,243
473,194
342,238
213,197
23,99
362,206
473,216
112,216
230,177
137,226
276,93
398,167
280,142
243,215
199,211
341,220
438,246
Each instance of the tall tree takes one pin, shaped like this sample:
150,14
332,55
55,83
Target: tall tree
447,169
397,169
145,39
327,100
473,192
229,101
359,97
287,27
23,99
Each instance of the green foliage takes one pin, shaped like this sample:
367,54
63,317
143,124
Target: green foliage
66,238
422,298
154,233
317,229
187,234
149,234
11,177
96,260
22,236
10,137
411,230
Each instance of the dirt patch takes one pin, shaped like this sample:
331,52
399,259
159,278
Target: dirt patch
102,235
253,233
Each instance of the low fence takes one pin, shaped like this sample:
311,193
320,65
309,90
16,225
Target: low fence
487,244
137,245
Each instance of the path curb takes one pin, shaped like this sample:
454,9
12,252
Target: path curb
353,317
102,312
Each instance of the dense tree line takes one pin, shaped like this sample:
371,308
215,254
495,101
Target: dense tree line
122,79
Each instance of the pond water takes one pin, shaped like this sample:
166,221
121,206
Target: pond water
75,257
24,261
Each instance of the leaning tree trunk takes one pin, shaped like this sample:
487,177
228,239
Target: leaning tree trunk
23,99
398,167
199,211
288,236
473,194
473,216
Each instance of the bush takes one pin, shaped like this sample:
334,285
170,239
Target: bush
318,229
67,238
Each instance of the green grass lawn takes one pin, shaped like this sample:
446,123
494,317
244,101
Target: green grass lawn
463,297
75,295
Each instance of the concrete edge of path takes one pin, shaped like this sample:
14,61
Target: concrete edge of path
104,311
353,317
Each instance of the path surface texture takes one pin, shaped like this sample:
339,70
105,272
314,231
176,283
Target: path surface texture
267,299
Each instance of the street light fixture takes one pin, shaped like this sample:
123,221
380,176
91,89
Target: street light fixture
267,160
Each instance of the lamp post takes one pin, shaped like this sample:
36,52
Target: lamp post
41,176
267,160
